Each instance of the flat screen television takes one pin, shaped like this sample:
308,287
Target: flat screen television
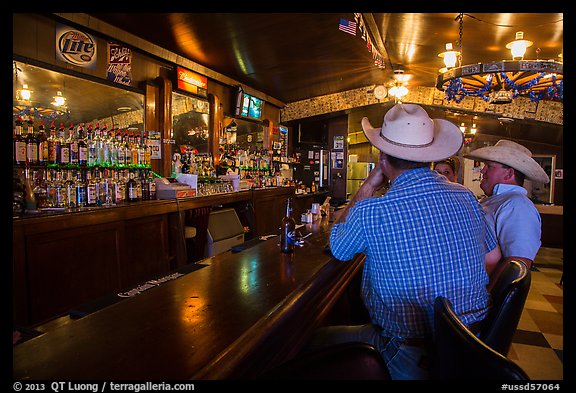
313,132
248,106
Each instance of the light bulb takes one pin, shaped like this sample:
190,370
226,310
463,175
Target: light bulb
518,46
450,56
25,93
58,99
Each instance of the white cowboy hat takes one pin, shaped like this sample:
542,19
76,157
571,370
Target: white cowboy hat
409,133
514,155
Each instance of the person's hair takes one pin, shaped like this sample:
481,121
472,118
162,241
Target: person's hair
519,177
400,163
449,161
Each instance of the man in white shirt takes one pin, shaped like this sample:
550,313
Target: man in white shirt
515,219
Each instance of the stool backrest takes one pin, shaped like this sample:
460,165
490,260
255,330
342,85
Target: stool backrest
508,296
459,354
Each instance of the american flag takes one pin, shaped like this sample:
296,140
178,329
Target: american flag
347,26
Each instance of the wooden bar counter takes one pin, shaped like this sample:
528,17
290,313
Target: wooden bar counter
232,319
66,259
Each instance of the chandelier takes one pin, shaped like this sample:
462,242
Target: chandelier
398,87
499,82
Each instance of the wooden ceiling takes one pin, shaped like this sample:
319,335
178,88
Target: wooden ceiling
294,56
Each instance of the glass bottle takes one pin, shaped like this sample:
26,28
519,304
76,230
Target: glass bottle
71,196
97,137
31,144
53,147
80,187
82,147
131,189
40,191
19,143
120,148
152,184
119,188
43,146
91,190
73,147
64,147
92,149
287,230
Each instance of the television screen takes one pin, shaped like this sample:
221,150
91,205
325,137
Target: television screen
313,132
247,105
251,107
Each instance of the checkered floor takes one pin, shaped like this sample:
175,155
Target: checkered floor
538,344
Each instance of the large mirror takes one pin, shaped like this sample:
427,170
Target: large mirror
36,92
190,123
543,192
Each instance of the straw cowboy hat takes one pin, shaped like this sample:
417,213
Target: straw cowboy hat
409,133
514,155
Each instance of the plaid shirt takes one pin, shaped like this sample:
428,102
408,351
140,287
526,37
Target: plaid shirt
425,237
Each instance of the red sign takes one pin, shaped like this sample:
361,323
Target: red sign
191,81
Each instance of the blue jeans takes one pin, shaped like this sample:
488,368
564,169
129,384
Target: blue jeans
403,361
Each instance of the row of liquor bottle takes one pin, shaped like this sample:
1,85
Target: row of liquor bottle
81,146
71,188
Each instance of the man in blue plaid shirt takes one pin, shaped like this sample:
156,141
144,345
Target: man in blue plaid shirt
425,237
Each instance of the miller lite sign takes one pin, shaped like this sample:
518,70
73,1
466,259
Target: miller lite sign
75,47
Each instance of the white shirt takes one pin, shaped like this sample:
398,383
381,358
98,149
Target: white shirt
516,221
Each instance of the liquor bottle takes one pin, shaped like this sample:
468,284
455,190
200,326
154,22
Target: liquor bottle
113,147
91,196
71,196
73,147
92,151
31,144
147,152
152,184
97,138
121,158
61,193
119,188
82,147
131,189
127,151
40,192
19,143
43,148
64,147
104,147
287,230
53,147
80,186
145,184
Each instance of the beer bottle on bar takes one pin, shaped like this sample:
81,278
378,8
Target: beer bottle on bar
287,229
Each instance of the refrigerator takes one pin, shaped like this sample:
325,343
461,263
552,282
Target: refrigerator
314,166
356,173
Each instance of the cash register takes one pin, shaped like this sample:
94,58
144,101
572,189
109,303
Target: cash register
170,188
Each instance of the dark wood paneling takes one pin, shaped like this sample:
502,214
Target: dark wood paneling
69,267
269,208
144,263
